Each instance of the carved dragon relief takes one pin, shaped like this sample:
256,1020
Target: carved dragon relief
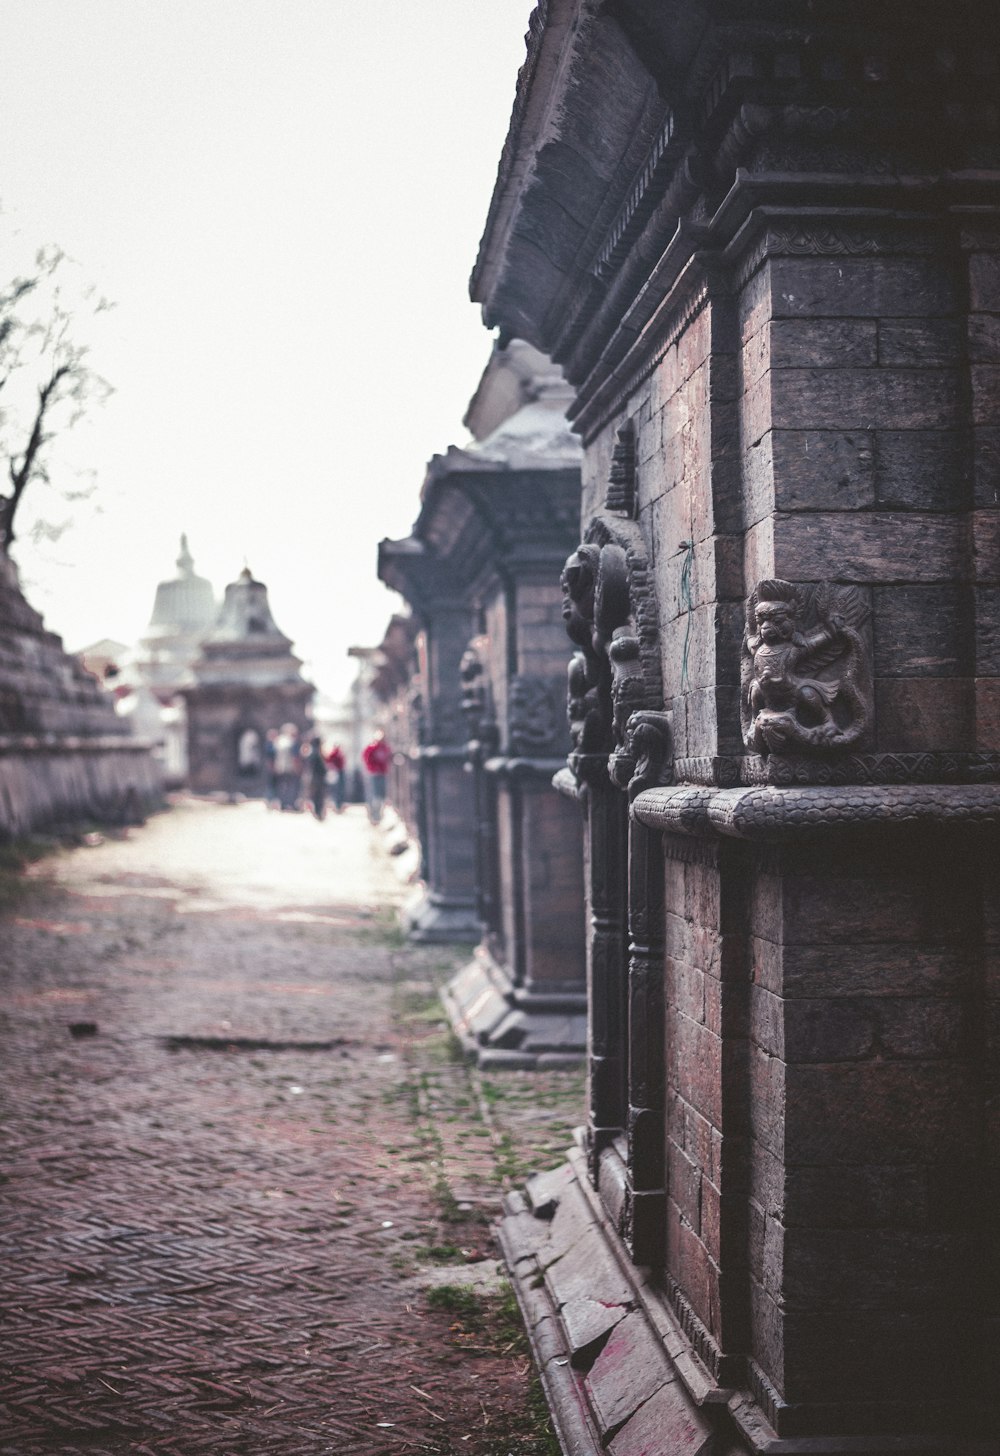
805,674
617,723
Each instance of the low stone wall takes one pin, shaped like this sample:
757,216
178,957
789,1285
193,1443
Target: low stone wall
58,780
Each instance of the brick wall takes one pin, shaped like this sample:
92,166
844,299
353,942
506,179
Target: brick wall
867,1115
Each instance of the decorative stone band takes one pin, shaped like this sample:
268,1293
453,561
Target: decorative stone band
60,743
773,813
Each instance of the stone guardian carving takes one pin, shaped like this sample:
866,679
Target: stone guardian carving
614,703
805,670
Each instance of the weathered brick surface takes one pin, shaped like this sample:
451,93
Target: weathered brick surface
856,465
867,1114
213,1244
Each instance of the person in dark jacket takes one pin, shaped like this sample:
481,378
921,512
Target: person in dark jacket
314,776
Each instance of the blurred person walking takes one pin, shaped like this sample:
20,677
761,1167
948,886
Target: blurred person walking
314,776
336,769
270,777
287,768
376,757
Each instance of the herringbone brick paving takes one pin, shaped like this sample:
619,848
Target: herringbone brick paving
212,1205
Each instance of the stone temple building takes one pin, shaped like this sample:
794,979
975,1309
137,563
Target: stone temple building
763,244
245,681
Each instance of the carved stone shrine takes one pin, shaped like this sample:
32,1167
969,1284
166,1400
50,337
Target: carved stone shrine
763,244
522,1000
245,681
500,852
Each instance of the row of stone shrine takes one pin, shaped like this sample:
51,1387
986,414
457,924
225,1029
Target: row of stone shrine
763,246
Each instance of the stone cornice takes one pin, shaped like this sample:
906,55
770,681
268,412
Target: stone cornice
543,513
409,567
747,109
819,810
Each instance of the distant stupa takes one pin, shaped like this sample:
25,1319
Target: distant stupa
183,611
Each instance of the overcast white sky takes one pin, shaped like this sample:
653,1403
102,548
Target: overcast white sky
284,199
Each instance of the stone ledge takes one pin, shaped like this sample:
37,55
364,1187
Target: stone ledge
433,920
442,752
523,767
605,1368
774,813
11,743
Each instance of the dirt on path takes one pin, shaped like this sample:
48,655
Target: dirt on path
246,1187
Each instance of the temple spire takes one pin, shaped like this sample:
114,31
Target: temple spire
185,561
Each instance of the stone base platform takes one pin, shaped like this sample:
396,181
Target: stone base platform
502,1026
618,1372
429,919
56,780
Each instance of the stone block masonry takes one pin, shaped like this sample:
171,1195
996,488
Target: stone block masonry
781,324
65,756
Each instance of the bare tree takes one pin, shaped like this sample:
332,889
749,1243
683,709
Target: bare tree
46,382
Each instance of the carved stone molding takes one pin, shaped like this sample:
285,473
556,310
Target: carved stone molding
615,696
805,675
786,769
776,814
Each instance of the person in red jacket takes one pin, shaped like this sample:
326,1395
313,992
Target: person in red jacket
376,757
335,770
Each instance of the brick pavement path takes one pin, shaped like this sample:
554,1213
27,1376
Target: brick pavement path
235,1154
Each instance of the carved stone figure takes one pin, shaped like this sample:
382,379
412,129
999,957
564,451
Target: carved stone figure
614,690
643,758
587,707
477,698
805,673
532,720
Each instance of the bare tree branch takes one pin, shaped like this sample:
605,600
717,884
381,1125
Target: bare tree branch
40,348
22,471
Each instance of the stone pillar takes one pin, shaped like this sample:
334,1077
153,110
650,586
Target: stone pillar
449,910
445,908
522,999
